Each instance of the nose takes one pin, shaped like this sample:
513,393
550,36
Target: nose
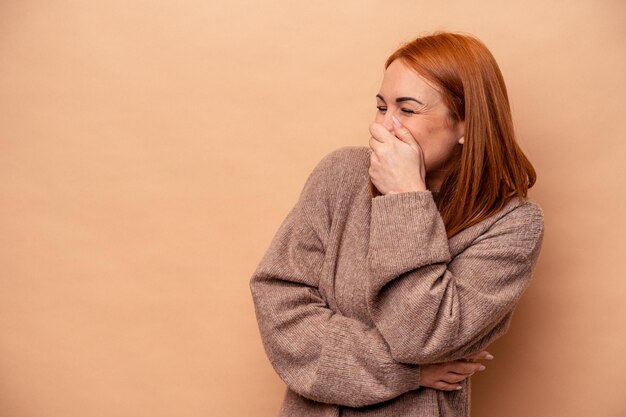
387,122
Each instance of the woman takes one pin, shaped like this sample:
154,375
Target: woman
402,261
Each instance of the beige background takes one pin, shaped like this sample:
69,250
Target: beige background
150,149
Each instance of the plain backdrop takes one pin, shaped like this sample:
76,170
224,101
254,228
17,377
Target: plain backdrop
149,151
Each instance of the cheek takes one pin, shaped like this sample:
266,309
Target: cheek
422,129
434,130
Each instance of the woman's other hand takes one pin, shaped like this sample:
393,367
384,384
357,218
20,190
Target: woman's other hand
446,375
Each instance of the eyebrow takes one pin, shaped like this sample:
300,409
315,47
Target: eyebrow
400,99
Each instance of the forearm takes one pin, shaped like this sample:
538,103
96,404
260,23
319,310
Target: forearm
432,308
323,355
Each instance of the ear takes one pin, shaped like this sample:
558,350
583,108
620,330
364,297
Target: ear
461,131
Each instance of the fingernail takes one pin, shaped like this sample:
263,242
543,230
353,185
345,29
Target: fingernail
490,356
459,387
482,368
395,121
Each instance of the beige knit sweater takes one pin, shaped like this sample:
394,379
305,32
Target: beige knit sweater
355,292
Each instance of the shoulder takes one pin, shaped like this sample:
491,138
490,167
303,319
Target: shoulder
520,225
338,166
343,159
335,176
527,213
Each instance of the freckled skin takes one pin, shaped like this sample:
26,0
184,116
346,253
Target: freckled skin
429,122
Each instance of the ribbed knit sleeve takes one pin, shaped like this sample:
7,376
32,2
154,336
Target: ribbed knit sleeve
430,307
318,353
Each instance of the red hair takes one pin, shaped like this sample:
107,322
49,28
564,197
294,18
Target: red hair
490,167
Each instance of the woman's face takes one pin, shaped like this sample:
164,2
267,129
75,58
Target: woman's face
418,106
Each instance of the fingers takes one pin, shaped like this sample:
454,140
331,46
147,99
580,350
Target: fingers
484,355
441,385
459,371
405,135
377,137
481,355
464,368
448,375
374,144
380,132
454,378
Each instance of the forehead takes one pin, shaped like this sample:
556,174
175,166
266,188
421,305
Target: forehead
399,80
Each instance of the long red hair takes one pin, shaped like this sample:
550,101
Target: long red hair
490,167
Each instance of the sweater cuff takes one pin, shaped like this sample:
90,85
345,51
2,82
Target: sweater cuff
338,365
407,232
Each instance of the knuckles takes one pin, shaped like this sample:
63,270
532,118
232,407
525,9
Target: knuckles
458,378
402,131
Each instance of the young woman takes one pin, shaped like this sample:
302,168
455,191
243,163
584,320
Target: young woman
402,261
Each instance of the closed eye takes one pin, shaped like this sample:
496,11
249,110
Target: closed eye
384,108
